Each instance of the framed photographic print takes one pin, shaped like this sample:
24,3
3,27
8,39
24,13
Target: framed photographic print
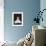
17,19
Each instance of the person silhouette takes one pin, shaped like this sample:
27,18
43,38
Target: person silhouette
17,20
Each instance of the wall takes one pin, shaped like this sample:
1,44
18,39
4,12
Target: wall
29,8
43,6
1,21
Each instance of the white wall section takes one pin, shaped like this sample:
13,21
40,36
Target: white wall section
1,20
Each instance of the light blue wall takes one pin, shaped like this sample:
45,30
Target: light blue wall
43,6
29,8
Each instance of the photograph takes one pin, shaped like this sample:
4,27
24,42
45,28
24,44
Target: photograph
17,19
